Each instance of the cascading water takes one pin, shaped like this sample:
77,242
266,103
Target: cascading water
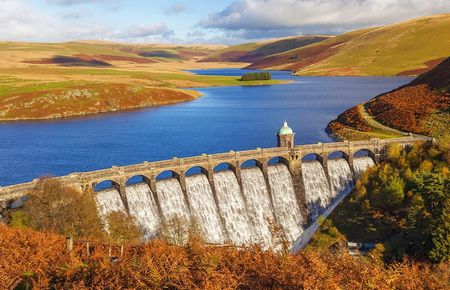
240,218
285,202
203,208
361,164
317,189
258,205
108,200
143,207
341,176
171,200
232,208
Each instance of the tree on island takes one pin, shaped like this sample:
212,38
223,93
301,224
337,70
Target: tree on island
256,76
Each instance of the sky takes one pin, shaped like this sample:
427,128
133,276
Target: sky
198,21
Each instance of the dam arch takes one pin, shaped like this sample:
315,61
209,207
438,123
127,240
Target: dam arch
166,174
338,154
311,156
138,178
106,184
252,163
278,160
196,170
364,153
224,166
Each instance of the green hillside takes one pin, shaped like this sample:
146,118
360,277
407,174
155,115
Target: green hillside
406,48
252,52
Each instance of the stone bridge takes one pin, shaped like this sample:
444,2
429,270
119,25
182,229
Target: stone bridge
178,167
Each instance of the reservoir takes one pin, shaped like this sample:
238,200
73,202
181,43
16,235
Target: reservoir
223,119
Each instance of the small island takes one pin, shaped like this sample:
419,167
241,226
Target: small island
256,76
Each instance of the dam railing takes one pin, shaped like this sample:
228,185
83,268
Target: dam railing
119,175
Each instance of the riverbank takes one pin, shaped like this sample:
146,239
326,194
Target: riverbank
40,93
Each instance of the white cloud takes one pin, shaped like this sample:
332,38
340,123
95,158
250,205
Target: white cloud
176,8
20,21
23,22
142,31
73,2
278,17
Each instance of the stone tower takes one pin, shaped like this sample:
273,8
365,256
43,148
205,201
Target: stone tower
285,136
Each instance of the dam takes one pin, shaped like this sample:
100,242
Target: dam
238,198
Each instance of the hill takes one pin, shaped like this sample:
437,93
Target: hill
406,48
253,52
422,106
57,80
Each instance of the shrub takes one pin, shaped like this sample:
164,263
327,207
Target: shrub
56,208
256,76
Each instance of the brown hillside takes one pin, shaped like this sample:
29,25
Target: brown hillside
437,78
422,106
241,53
85,100
429,66
39,260
297,59
408,108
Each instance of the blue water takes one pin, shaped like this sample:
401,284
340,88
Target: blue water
225,118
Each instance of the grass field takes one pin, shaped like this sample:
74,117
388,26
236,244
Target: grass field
403,48
391,50
46,80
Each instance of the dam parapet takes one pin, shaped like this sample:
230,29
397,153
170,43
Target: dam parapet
292,157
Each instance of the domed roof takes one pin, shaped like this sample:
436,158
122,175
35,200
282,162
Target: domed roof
285,130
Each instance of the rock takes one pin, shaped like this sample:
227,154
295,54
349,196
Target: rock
19,202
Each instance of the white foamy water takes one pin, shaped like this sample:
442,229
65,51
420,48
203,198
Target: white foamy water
232,208
203,208
239,217
285,202
171,200
341,176
258,205
317,190
360,164
143,208
108,200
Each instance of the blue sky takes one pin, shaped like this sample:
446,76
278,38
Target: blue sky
199,21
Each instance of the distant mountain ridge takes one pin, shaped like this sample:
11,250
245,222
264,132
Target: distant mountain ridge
407,48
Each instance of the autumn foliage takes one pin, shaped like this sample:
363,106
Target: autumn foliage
408,107
40,259
351,118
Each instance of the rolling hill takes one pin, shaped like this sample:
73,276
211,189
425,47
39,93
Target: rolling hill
253,52
57,80
422,106
407,48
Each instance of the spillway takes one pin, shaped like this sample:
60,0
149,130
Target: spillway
317,189
233,212
232,208
361,164
258,205
341,177
204,209
108,200
171,200
285,202
143,208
